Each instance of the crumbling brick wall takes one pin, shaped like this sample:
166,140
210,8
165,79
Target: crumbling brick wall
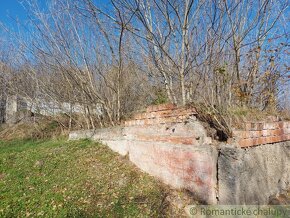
172,145
259,133
168,143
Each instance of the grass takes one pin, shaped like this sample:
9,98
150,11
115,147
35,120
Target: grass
59,178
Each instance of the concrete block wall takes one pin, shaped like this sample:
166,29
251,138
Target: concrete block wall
172,145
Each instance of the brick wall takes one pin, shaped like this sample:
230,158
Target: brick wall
252,133
165,123
172,145
161,114
258,133
168,143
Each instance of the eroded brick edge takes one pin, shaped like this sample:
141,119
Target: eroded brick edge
259,133
252,133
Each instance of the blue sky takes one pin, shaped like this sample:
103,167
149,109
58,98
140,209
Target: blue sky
11,8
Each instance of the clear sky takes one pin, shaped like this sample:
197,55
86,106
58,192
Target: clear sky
11,9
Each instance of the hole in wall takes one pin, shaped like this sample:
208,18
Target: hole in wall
221,136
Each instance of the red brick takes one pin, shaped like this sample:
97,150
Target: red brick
281,124
268,139
272,125
255,141
277,139
149,115
166,113
185,111
277,132
274,139
151,121
137,116
237,133
166,107
261,141
286,137
286,130
129,123
256,134
146,122
175,112
139,122
266,132
167,120
246,143
241,134
160,107
192,109
182,117
172,120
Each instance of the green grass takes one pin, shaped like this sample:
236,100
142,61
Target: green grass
58,178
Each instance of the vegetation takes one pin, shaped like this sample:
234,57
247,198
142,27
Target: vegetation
42,174
98,62
59,178
123,55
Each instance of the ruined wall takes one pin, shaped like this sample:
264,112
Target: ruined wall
14,108
251,176
259,133
172,145
11,109
168,143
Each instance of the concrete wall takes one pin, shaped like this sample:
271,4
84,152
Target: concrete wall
251,176
11,109
172,145
14,108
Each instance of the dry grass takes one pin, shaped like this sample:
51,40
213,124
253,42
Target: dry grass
42,176
221,122
42,128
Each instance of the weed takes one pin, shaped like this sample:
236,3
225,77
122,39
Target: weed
58,178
